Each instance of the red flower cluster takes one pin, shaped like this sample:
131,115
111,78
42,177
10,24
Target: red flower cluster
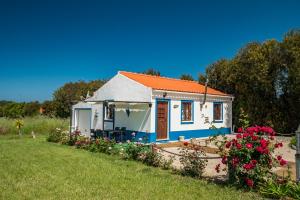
185,143
249,146
224,160
249,182
235,161
277,145
282,162
261,130
249,154
251,165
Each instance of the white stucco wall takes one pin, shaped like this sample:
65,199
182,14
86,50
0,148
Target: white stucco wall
138,119
97,116
121,88
93,120
200,115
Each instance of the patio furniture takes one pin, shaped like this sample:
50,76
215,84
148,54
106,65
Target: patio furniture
116,132
123,132
99,133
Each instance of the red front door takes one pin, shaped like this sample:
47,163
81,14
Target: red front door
162,120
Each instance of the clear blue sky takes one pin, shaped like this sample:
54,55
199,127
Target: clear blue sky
45,43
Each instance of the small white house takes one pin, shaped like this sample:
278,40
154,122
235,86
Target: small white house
158,109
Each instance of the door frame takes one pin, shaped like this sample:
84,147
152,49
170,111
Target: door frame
157,100
76,116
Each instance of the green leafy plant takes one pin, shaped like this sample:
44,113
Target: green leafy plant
293,142
275,189
193,163
244,119
134,150
19,124
59,136
155,159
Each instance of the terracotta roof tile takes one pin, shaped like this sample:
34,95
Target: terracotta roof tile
171,84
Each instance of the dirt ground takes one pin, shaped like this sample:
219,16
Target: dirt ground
286,152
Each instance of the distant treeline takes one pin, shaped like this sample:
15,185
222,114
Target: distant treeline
60,106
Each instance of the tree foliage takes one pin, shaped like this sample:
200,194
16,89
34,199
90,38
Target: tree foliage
187,77
265,80
12,109
152,71
65,96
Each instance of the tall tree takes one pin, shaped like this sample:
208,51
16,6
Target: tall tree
65,96
265,80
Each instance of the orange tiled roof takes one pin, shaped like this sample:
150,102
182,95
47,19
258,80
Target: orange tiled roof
171,84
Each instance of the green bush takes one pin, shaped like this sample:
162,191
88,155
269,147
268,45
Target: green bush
58,136
279,190
293,141
152,158
192,161
134,151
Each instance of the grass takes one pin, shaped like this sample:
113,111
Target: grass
41,125
36,169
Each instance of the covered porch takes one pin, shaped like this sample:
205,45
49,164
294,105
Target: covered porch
118,120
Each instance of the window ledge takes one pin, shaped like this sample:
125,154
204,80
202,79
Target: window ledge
218,121
187,122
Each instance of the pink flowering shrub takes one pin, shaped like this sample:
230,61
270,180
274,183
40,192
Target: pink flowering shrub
249,157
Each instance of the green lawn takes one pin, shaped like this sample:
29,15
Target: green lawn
35,169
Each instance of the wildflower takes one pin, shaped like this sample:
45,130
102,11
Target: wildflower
249,146
268,130
133,134
277,145
228,144
235,161
246,135
283,162
238,146
279,158
253,162
240,130
264,143
248,166
260,149
224,160
266,151
253,129
254,137
239,136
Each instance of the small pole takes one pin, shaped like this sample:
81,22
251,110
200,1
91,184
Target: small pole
298,155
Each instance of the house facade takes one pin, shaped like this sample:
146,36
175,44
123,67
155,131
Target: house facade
157,109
